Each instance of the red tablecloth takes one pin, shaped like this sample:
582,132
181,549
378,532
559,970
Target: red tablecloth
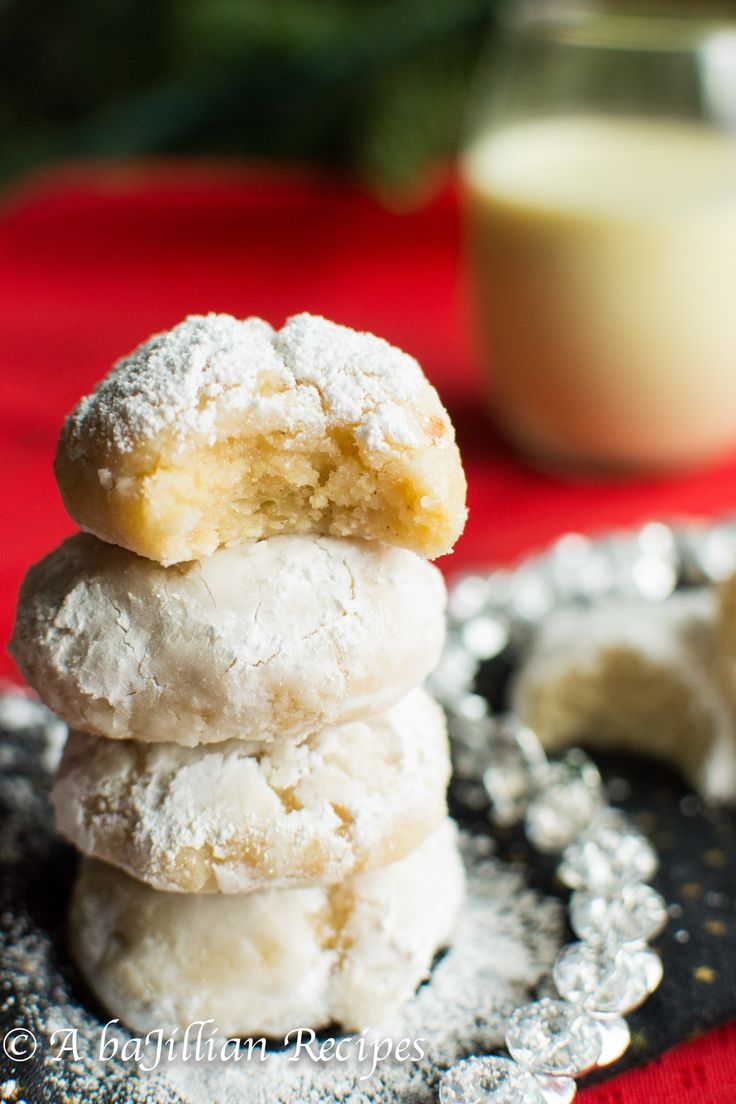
93,261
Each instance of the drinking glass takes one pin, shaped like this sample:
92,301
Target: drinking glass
599,193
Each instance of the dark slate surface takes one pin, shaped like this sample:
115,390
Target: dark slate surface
697,876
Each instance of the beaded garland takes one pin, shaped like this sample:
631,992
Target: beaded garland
604,858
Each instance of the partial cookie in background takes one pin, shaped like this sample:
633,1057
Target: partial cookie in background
726,633
267,962
634,676
221,431
261,641
229,817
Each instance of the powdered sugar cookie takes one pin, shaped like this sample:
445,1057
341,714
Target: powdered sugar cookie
222,431
231,817
267,962
273,639
635,676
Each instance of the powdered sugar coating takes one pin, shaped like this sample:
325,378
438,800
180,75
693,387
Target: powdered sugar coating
261,641
311,374
232,817
269,961
361,379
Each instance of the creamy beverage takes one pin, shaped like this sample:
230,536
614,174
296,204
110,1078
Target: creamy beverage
604,262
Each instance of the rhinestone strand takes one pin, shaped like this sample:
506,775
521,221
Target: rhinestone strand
603,858
610,970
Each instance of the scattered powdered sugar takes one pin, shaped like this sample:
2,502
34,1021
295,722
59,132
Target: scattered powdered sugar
507,939
183,381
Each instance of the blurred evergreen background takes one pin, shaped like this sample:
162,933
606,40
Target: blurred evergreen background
377,86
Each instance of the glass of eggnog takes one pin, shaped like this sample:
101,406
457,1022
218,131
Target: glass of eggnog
599,190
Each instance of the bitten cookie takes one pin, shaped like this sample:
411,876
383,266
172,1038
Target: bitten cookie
634,676
221,431
267,962
230,817
274,639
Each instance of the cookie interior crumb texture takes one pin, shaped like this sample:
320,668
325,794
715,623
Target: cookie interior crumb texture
220,431
634,676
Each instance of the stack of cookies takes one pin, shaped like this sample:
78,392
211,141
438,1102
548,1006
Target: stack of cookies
253,774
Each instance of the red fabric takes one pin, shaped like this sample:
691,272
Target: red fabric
93,261
701,1071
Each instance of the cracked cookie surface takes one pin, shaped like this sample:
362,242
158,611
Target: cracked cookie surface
259,642
233,817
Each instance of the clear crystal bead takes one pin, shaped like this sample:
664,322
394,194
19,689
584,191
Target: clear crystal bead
609,854
556,1090
454,674
553,1037
471,743
649,965
469,792
566,804
579,569
467,765
567,561
717,552
600,980
470,732
532,594
492,1080
485,636
615,1038
470,707
658,539
621,553
635,914
517,764
654,572
654,578
468,597
499,588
